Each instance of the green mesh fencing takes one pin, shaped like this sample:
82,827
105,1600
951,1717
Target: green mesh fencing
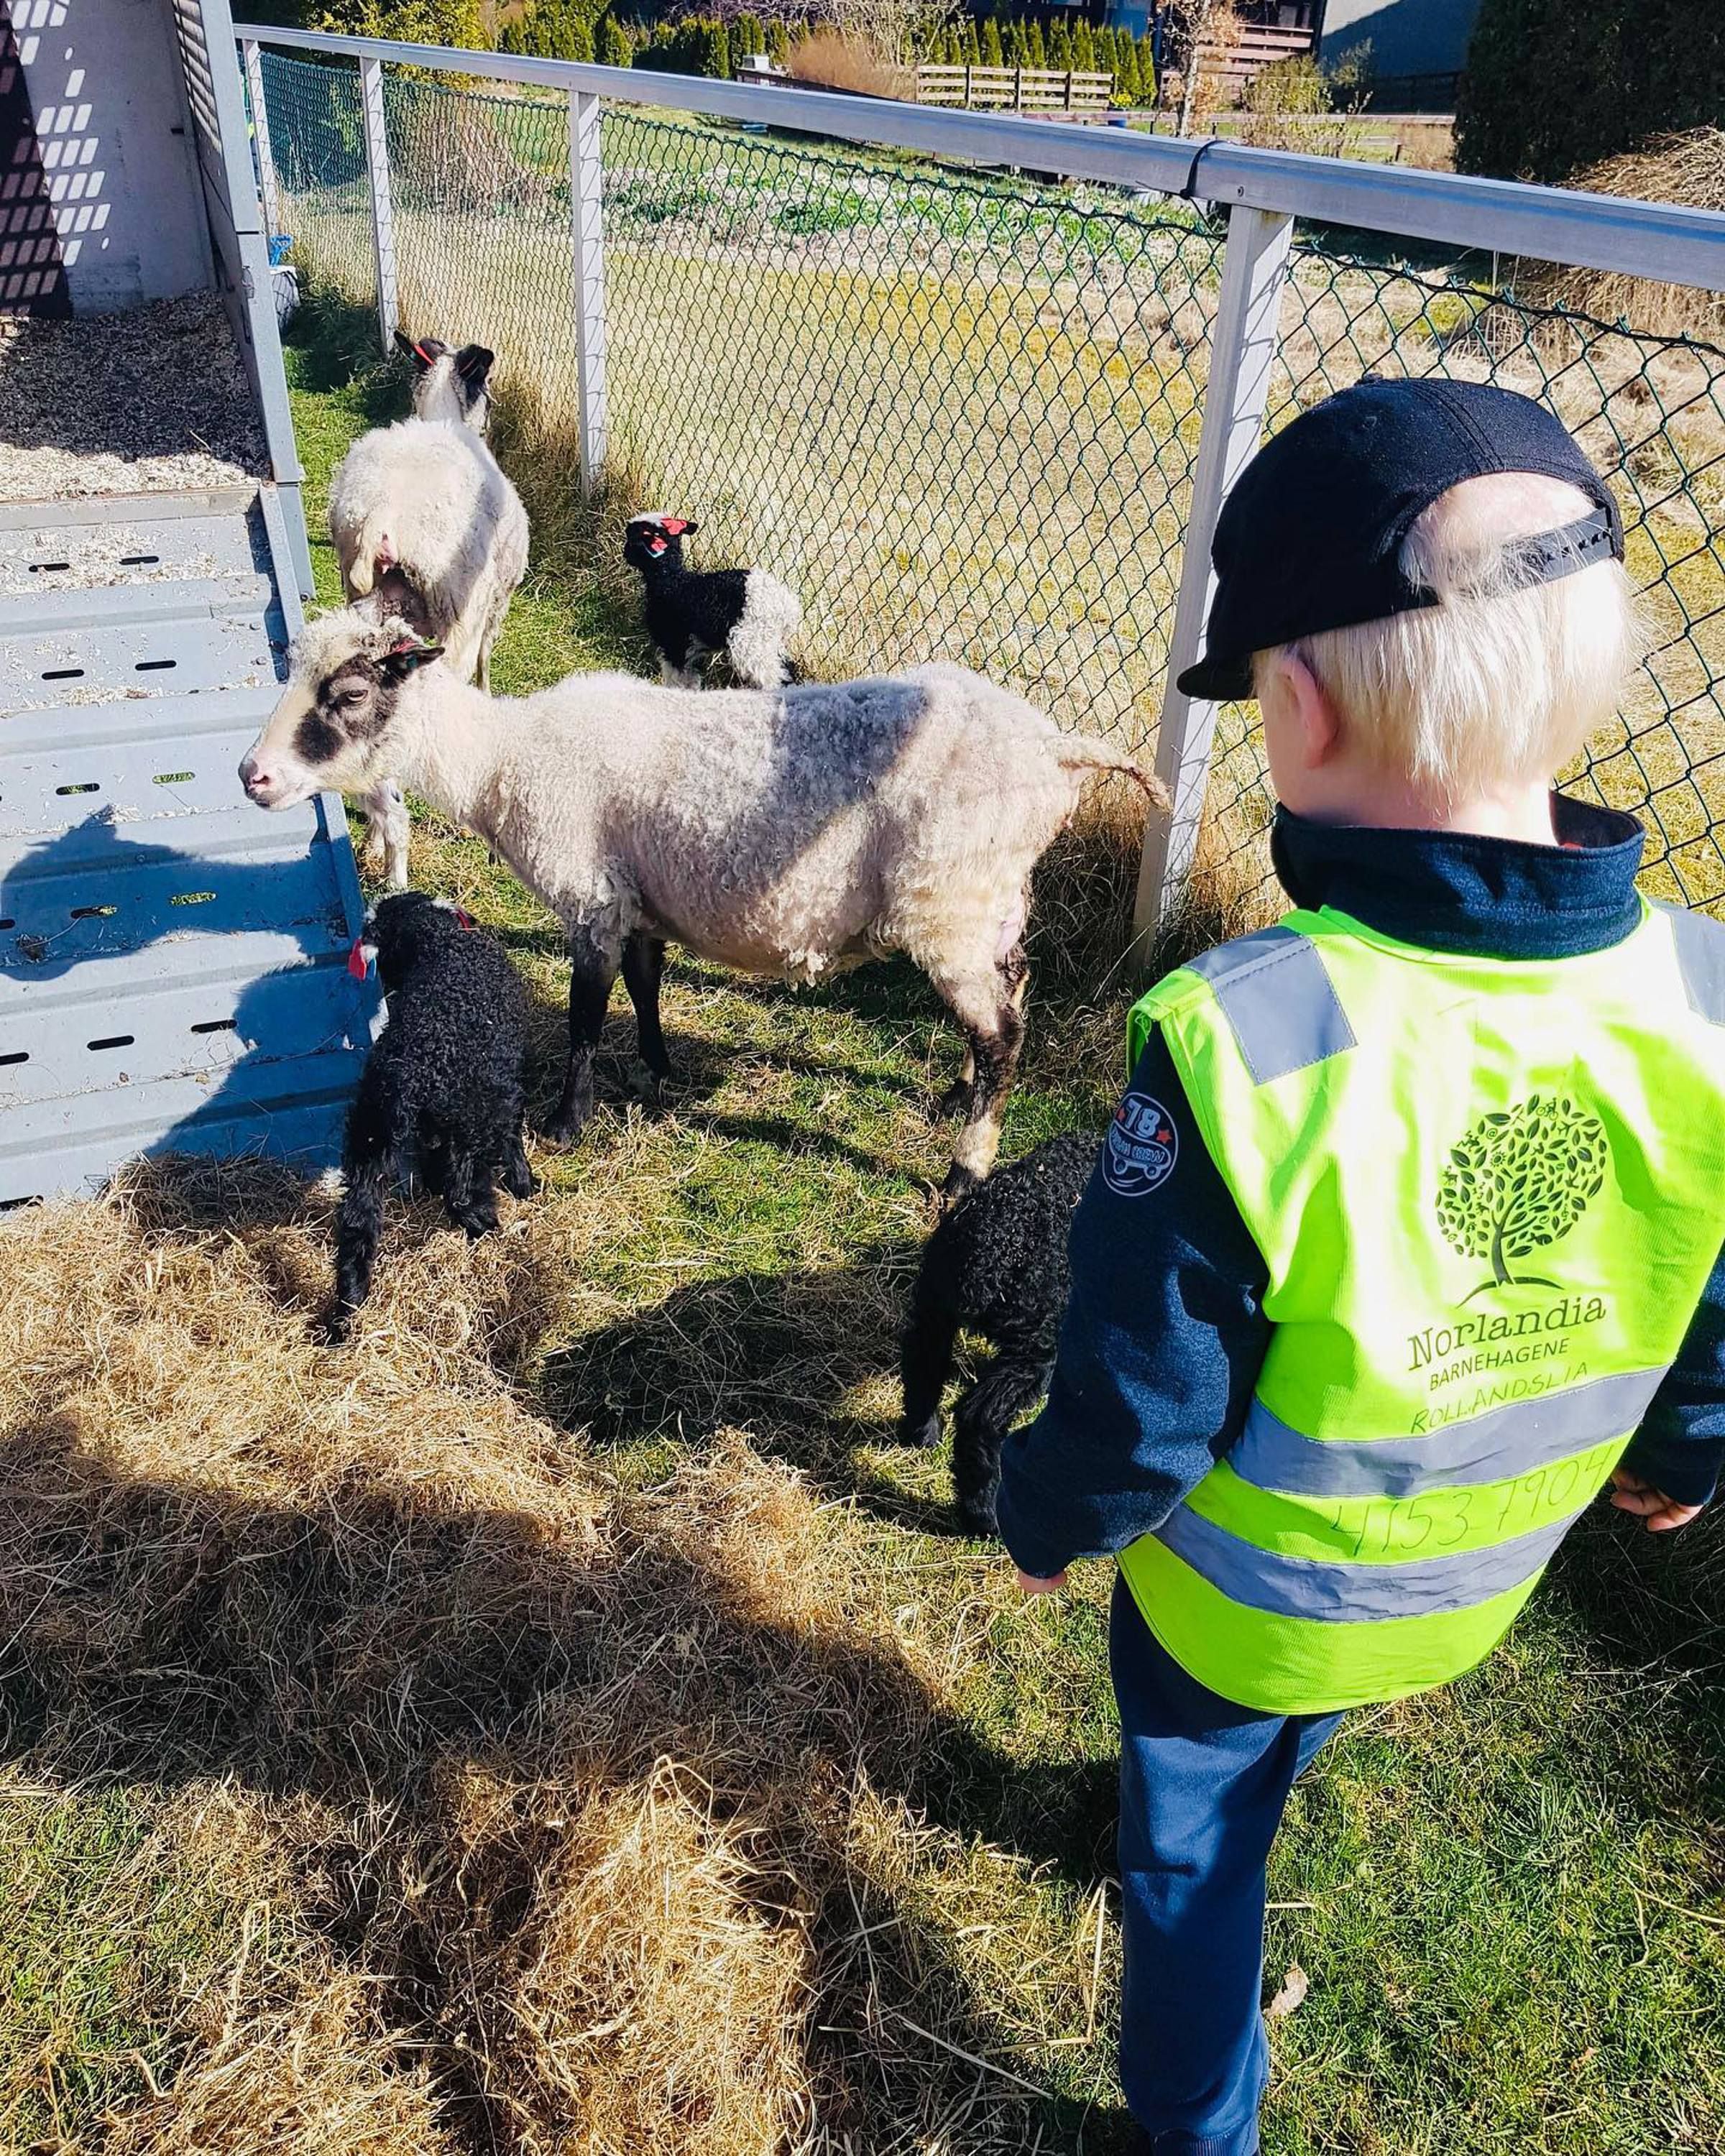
317,136
960,411
958,414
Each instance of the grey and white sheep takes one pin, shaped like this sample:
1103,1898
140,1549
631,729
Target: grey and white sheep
427,528
787,831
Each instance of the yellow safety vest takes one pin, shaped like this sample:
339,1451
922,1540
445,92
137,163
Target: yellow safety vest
1489,1194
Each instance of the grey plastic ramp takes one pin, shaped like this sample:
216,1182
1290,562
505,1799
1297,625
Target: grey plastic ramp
173,961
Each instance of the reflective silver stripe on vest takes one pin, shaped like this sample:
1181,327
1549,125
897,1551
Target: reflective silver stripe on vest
1354,1594
1276,993
1492,1447
1700,960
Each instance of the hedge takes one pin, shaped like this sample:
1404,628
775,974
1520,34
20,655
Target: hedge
1552,85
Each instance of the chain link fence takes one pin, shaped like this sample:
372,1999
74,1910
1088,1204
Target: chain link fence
960,411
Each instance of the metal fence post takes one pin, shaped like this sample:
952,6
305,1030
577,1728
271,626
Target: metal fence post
1243,348
370,79
267,187
588,235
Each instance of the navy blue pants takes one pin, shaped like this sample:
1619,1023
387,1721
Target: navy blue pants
1203,1785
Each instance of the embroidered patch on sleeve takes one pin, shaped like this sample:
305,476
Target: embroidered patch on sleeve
1142,1149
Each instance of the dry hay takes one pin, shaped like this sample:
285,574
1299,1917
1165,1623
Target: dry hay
548,1814
1688,169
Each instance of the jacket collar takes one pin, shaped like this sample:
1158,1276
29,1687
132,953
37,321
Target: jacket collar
1451,891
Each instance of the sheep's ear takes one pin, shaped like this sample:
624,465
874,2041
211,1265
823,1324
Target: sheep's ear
404,345
473,364
689,527
405,656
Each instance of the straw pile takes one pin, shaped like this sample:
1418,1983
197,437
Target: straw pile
1688,169
491,1804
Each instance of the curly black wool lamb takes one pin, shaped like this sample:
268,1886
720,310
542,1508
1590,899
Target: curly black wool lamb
996,1264
441,1090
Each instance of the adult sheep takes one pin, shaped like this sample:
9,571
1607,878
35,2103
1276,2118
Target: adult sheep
786,831
426,527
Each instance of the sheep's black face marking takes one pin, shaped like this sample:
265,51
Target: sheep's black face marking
316,741
654,541
352,708
473,368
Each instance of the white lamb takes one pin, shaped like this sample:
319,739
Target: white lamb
427,527
785,832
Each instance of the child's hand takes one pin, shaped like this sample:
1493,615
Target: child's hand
1032,1585
1660,1513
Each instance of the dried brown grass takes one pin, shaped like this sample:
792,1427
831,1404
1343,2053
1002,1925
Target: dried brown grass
835,62
548,1814
1687,168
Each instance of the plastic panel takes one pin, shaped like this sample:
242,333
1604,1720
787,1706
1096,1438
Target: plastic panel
173,972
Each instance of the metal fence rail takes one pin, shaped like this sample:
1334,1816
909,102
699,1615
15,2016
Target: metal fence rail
976,415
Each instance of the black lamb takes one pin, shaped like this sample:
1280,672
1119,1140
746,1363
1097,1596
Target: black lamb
442,1088
693,615
996,1264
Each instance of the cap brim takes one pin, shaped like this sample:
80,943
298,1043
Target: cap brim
1217,680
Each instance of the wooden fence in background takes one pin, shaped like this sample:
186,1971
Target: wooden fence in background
1015,89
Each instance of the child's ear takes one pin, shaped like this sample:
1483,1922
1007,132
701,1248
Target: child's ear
1317,724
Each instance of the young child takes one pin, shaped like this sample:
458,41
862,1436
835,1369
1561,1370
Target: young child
1406,1238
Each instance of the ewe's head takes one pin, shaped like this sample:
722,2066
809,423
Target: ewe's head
655,537
331,727
449,384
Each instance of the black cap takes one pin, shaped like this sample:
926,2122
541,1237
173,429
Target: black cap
1310,538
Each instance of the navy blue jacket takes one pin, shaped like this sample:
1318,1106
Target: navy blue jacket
1164,1334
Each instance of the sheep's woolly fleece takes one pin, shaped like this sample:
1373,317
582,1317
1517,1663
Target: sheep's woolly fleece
776,832
453,523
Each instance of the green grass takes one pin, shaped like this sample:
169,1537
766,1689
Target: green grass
1509,1897
80,2002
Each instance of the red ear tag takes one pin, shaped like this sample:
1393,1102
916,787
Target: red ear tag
357,963
402,644
674,524
429,357
463,920
657,543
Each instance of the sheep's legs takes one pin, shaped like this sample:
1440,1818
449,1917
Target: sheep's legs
592,972
957,1099
369,1153
469,1196
643,969
387,841
988,1008
925,1361
517,1175
1016,1379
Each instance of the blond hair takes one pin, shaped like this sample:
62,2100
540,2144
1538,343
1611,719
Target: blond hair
1502,681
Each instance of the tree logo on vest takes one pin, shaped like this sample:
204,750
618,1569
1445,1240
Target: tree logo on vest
1518,1182
1142,1149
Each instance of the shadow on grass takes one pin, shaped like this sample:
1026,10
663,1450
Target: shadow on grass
374,1649
1654,1604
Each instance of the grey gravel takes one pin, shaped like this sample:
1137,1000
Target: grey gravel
146,402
